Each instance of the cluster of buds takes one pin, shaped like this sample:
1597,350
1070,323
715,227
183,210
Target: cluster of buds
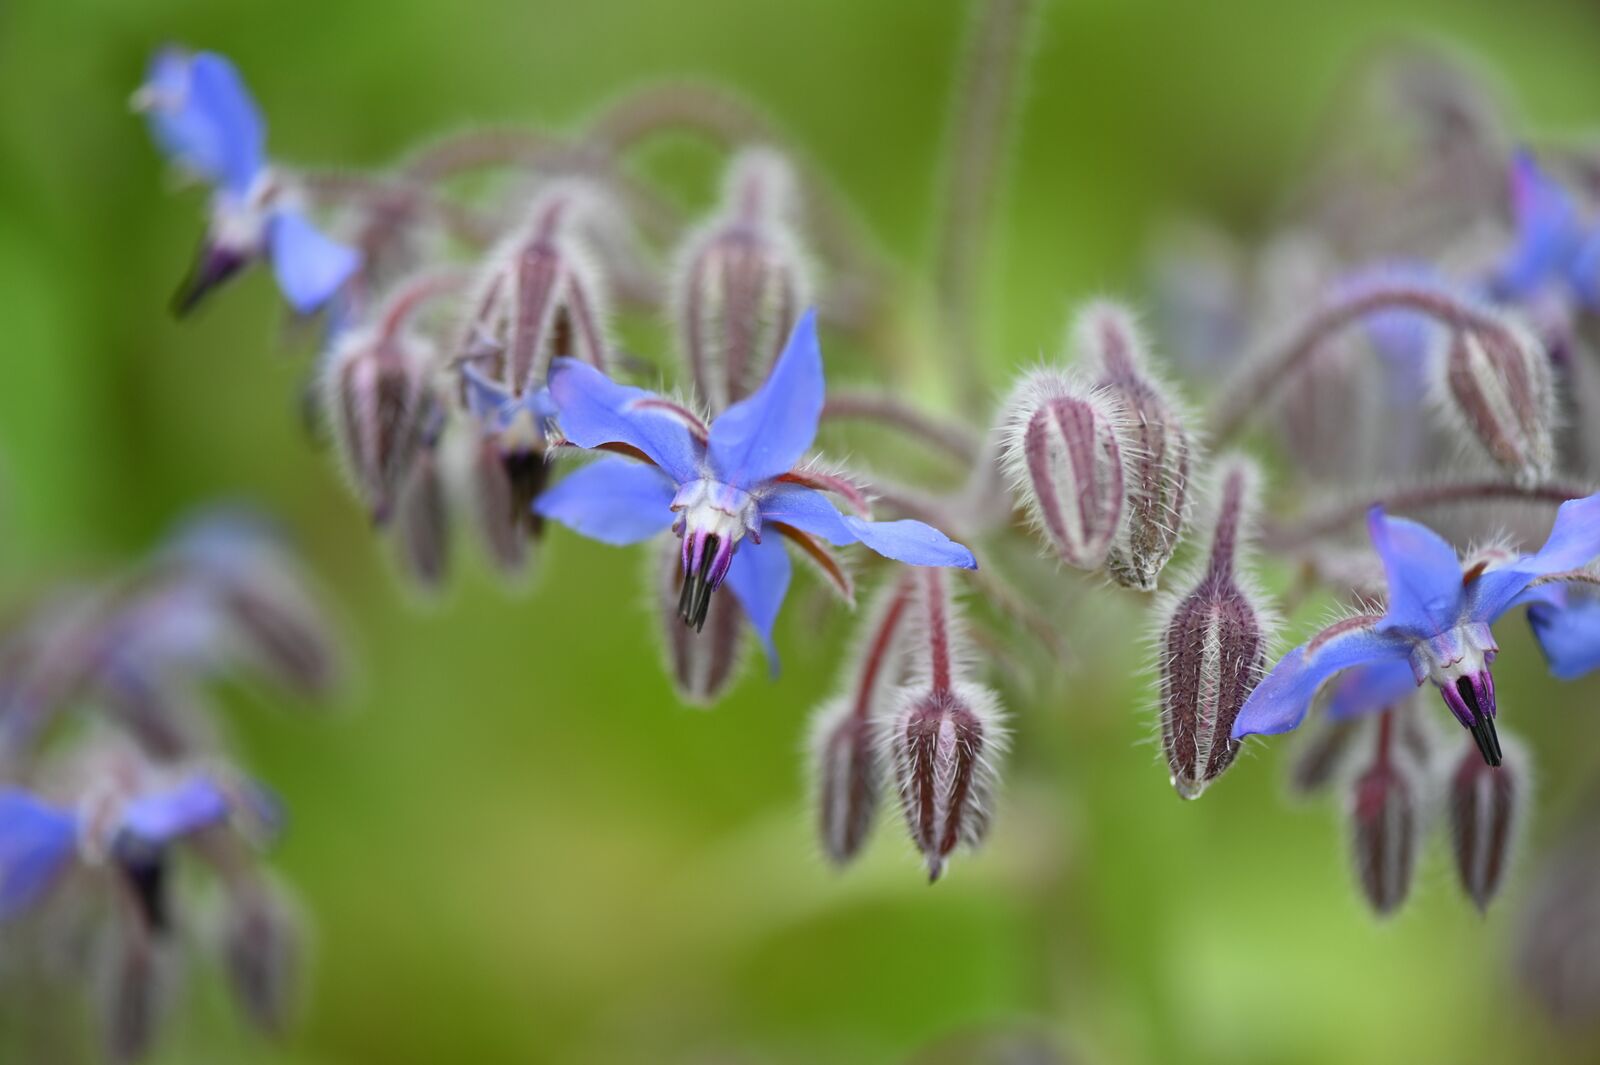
114,806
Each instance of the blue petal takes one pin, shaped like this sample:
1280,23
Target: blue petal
310,266
495,407
807,509
1546,230
913,542
766,433
1584,272
36,843
759,577
595,410
1567,627
166,815
202,117
1279,703
1369,688
1423,576
1574,543
615,500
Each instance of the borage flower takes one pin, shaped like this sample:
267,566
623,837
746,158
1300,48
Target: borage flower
203,119
1437,622
721,487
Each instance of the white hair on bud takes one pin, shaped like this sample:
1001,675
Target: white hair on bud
1510,422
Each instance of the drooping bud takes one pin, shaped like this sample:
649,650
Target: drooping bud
1213,648
422,526
1497,385
1156,446
741,280
1558,934
283,631
1484,811
944,737
1321,755
506,531
845,748
132,992
261,946
701,663
1065,464
1386,810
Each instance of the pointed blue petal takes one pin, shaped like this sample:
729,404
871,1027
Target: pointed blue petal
913,542
767,433
759,577
1423,576
1567,625
1279,703
37,842
217,87
1584,273
310,266
162,816
616,500
806,509
593,410
1574,543
1546,230
202,117
1366,689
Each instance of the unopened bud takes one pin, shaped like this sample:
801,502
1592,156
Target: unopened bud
1155,444
261,945
422,526
1213,649
374,392
702,662
845,745
1498,384
1064,461
494,506
741,281
160,713
944,736
1386,815
1484,811
1558,935
132,993
1321,755
285,632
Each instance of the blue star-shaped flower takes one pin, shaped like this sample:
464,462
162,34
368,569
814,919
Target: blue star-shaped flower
1553,246
203,119
720,487
1436,627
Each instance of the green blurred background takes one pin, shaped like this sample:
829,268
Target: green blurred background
515,845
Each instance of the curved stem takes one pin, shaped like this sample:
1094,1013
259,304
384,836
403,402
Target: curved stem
410,295
346,188
952,438
1260,377
1319,525
974,162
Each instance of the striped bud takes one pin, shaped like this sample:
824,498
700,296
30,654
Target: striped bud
373,391
422,522
1213,649
1155,445
741,281
944,737
702,663
1065,464
503,488
133,992
1386,813
1484,808
845,746
261,948
1321,755
1498,385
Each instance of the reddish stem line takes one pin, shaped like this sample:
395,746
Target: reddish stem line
938,630
953,439
412,294
882,639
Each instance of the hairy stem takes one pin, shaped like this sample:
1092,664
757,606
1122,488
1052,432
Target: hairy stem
883,409
882,640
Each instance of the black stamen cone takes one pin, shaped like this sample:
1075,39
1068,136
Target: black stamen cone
211,268
1482,728
694,601
145,867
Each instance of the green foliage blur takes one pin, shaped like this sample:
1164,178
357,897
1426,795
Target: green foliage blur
514,844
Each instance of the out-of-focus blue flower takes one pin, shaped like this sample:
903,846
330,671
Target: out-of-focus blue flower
39,840
1437,623
1566,622
203,119
719,487
1552,244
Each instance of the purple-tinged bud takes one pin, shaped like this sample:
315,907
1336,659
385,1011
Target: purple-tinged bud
132,993
1322,755
1213,648
741,280
1065,463
261,946
506,530
701,663
845,744
1386,815
944,737
1485,806
1497,385
160,713
1155,445
422,525
1558,933
284,632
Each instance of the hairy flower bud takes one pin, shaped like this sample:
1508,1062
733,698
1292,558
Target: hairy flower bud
1497,384
422,526
132,992
374,394
845,745
505,529
284,632
1484,812
1154,442
1386,814
1065,464
1321,755
261,946
701,662
1213,649
943,737
741,281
